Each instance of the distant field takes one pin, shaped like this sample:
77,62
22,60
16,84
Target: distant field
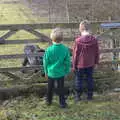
17,14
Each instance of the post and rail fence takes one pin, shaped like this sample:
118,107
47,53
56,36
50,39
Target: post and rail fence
31,28
14,91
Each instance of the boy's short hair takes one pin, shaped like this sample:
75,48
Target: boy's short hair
86,24
57,35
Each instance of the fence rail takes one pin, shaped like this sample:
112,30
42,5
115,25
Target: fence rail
25,41
19,68
14,69
117,50
14,56
48,25
31,28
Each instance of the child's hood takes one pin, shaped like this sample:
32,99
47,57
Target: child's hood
87,40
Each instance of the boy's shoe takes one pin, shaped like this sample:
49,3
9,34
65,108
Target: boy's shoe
48,103
77,98
63,105
23,71
89,98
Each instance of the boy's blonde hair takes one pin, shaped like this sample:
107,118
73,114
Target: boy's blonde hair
56,35
86,24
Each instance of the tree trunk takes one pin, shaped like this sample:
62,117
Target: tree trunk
23,90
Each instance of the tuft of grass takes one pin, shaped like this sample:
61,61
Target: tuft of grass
34,108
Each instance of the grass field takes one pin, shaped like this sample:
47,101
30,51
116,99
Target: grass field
33,108
17,14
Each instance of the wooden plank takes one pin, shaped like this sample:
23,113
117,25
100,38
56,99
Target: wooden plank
25,41
14,56
109,62
39,67
39,26
38,34
11,75
8,34
110,50
19,81
23,90
46,25
19,68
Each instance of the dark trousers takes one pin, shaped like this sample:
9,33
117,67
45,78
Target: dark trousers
51,85
84,74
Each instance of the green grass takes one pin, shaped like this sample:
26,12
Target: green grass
18,14
34,108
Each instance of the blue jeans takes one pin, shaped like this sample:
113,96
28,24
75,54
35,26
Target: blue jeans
88,73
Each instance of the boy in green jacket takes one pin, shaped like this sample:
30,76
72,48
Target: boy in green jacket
56,62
